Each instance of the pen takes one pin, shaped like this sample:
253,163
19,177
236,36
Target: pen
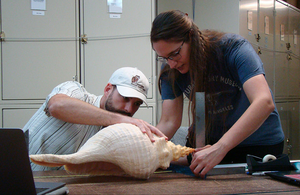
261,173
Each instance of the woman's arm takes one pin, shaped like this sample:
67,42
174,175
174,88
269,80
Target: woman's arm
261,105
171,116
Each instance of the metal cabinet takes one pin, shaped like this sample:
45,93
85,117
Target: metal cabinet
294,30
287,67
293,77
289,115
37,51
265,39
43,48
16,116
293,56
114,42
147,114
206,15
103,57
185,6
281,42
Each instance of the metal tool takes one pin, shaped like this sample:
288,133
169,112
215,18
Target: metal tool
200,119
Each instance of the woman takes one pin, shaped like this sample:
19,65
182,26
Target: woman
240,111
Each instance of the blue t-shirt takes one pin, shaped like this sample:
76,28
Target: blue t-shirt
227,101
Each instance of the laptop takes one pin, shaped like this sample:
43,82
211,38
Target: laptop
292,177
15,171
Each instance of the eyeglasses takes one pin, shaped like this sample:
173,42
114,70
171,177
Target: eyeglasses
175,56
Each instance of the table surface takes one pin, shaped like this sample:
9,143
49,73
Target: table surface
168,183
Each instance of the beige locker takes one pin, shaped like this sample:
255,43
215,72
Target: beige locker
42,50
294,49
103,57
147,114
208,15
185,6
116,40
289,115
294,31
266,39
294,78
98,22
249,20
281,41
281,75
38,51
16,116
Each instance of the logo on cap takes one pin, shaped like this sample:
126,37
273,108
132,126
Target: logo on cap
134,81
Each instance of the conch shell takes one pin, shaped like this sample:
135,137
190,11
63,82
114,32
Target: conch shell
123,145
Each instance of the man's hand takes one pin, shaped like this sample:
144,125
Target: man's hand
147,128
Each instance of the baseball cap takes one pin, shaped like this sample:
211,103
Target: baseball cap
130,82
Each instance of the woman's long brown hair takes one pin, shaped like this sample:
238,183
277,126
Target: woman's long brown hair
176,26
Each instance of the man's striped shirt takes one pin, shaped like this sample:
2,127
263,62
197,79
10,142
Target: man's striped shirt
48,135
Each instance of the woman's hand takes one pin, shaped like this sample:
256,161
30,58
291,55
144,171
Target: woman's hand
206,158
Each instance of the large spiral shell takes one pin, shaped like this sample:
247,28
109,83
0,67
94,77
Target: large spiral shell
123,145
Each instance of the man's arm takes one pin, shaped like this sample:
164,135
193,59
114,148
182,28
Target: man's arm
72,110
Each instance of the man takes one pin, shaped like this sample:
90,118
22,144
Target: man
71,115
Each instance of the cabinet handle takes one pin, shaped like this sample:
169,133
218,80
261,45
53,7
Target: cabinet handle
2,36
84,39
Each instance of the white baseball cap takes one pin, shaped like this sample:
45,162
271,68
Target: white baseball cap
130,82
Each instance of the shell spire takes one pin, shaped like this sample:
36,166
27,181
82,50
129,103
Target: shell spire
179,151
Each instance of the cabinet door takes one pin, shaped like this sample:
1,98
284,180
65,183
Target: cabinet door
295,129
266,24
17,116
294,61
294,31
38,51
99,23
147,114
117,40
281,75
289,117
248,20
185,6
266,41
285,120
281,26
103,57
293,77
217,15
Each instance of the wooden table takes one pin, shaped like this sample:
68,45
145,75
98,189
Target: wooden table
168,183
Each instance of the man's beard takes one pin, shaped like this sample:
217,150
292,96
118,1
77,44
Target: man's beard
109,107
